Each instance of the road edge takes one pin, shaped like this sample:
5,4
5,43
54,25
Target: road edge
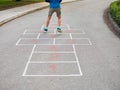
111,23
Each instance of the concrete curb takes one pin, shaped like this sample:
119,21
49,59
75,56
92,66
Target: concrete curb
20,15
29,11
114,24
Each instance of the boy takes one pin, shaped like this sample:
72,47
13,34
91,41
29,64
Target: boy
54,7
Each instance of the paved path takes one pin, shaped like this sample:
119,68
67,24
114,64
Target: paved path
84,57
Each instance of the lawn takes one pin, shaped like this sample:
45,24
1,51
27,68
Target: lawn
6,4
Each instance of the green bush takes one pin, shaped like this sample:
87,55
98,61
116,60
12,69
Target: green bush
115,11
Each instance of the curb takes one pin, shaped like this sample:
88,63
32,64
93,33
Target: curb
114,24
28,12
20,15
110,22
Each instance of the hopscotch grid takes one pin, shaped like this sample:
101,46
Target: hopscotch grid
33,51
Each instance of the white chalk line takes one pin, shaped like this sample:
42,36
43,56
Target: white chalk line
78,64
69,75
25,32
90,41
52,33
38,36
18,41
53,62
52,44
29,60
56,38
53,52
77,61
42,27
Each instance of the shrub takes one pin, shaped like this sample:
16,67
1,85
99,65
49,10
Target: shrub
115,11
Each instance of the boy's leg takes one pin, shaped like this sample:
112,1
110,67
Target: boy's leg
58,11
59,24
59,21
51,11
48,21
47,24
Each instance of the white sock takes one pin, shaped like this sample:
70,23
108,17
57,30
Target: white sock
46,27
58,26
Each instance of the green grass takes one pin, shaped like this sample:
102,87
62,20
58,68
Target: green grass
6,4
115,11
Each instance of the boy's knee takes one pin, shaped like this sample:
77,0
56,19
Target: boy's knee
59,17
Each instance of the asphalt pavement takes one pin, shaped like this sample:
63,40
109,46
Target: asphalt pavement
85,56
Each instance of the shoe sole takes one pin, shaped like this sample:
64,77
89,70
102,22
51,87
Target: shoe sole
60,31
45,31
